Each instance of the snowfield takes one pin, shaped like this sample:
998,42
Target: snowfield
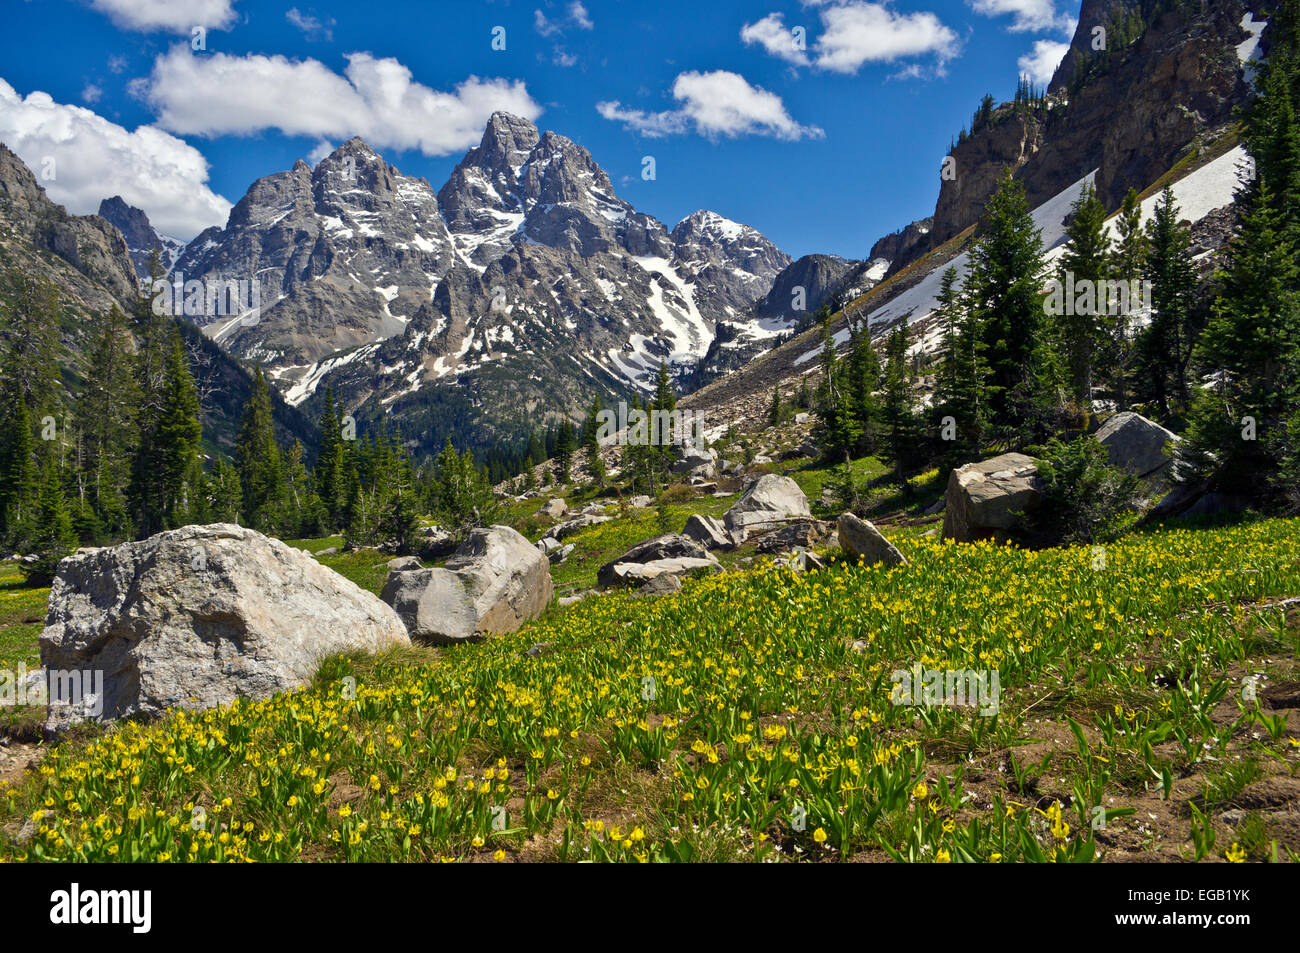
1198,194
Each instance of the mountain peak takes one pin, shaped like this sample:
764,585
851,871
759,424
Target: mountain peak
142,239
703,223
507,140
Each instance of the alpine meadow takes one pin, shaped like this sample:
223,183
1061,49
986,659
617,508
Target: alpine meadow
525,506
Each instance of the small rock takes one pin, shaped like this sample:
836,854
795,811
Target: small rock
708,532
555,508
861,541
662,585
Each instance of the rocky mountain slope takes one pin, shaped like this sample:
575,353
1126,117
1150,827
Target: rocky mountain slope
85,256
1170,74
90,263
142,240
797,293
524,285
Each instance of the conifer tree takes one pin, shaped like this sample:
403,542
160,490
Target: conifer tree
898,413
221,493
52,534
328,475
258,460
1079,328
20,478
1165,346
1238,434
170,432
105,422
29,340
564,447
1003,289
835,407
1128,264
960,380
863,381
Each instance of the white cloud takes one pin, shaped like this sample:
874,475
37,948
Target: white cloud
95,159
855,32
320,151
578,14
773,35
1030,16
543,25
376,99
858,32
313,28
649,124
169,16
1040,63
714,104
91,93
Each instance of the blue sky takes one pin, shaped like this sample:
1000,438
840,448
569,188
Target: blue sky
823,148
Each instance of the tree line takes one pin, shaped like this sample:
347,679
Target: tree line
112,450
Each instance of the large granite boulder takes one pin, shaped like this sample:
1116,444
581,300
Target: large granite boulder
495,582
1136,445
862,542
766,503
986,499
199,616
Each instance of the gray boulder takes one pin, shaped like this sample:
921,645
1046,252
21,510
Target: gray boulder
575,525
766,503
801,534
658,551
555,508
495,582
708,532
638,574
664,584
435,543
697,461
861,541
985,499
197,617
1137,445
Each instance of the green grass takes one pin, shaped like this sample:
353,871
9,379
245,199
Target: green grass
22,617
813,478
